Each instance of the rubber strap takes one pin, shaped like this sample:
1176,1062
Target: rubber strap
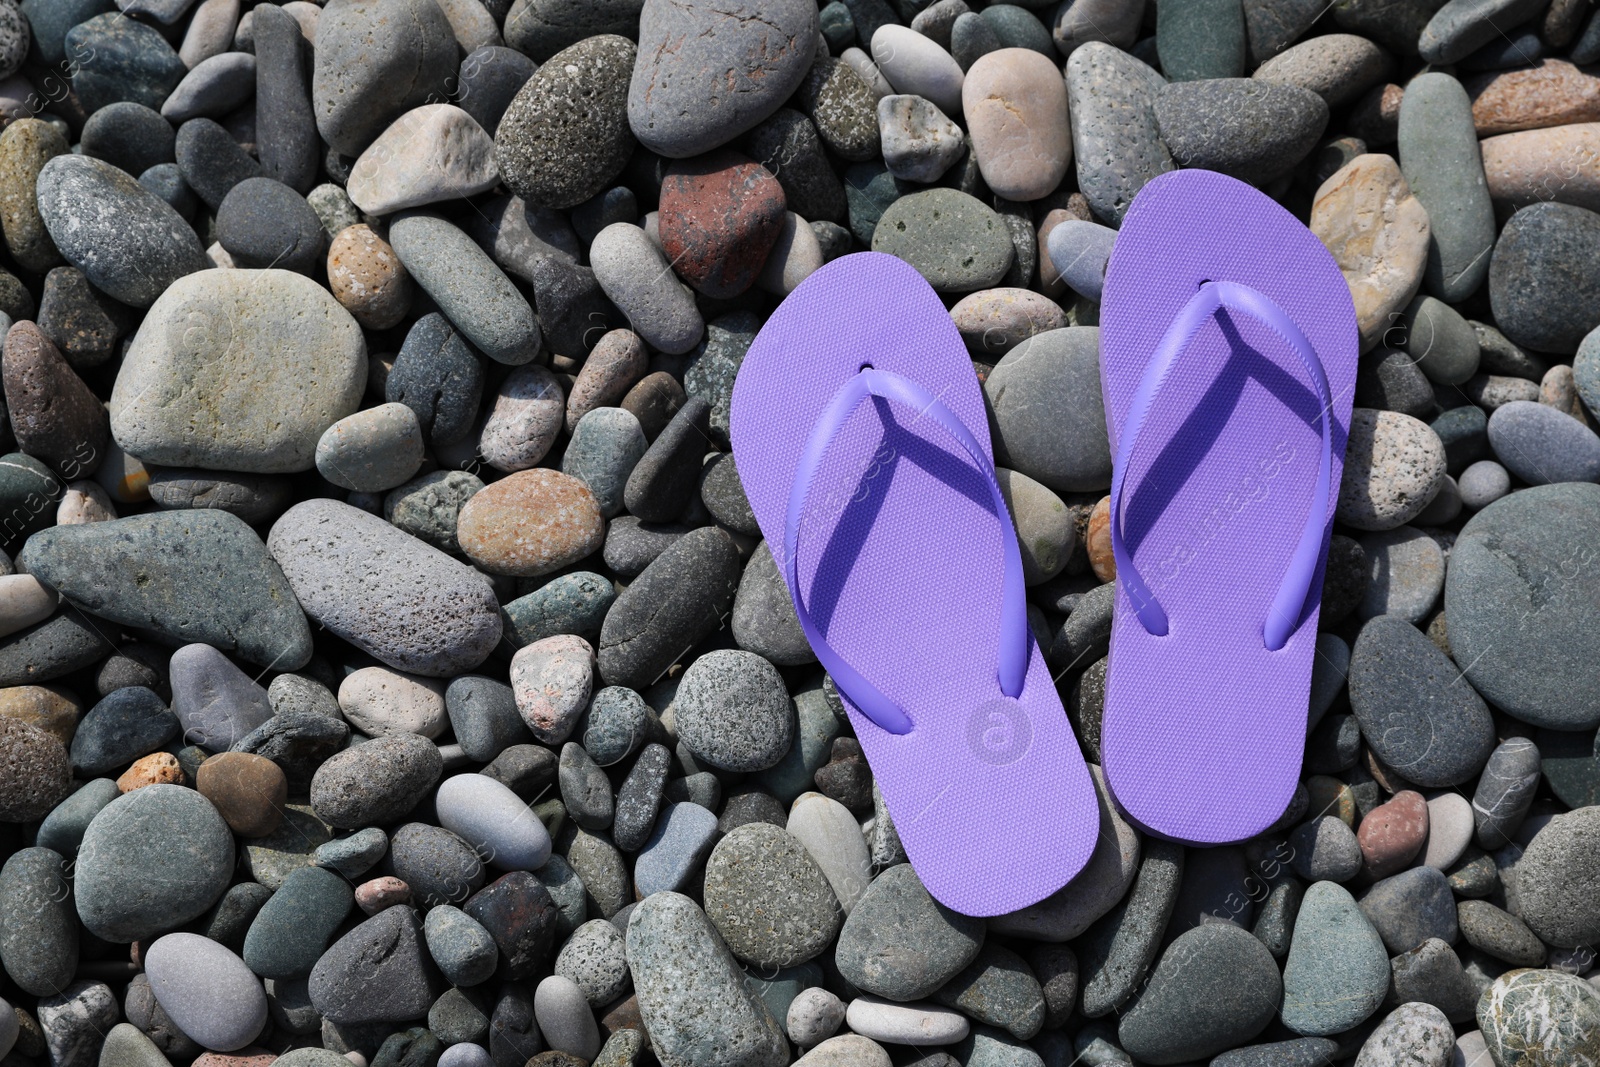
1014,634
1284,614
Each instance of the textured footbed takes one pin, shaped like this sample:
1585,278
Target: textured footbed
1204,728
900,564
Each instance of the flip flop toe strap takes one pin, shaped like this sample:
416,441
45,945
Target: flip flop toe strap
1013,647
1284,613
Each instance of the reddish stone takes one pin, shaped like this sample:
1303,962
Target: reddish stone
372,897
1555,93
623,1014
1098,541
56,417
1392,834
720,215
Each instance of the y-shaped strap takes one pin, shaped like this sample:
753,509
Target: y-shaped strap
1013,647
1284,614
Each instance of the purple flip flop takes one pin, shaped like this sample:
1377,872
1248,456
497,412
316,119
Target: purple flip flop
1227,363
860,433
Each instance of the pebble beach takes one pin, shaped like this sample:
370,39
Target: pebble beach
392,672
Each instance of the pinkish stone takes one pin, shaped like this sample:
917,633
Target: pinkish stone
1393,834
251,1056
617,361
551,680
1015,102
1560,164
372,897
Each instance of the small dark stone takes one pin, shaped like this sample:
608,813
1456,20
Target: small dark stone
130,136
117,58
632,544
125,725
264,223
286,131
211,161
521,916
639,798
524,769
83,323
751,805
439,867
439,377
663,482
379,972
297,741
490,78
676,602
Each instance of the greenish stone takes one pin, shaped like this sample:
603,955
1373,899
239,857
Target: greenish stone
567,890
460,1015
998,988
1216,987
900,943
1570,766
1116,952
1200,39
1474,875
869,189
1539,1018
291,931
353,856
778,988
715,363
150,861
62,830
1338,970
38,926
1465,434
955,241
271,859
127,1046
416,1047
1395,24
625,1047
573,603
837,26
427,507
1017,27
1585,370
1440,159
29,492
193,575
1440,342
989,1047
817,727
1275,924
618,722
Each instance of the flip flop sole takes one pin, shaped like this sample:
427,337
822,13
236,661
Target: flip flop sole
1204,728
899,562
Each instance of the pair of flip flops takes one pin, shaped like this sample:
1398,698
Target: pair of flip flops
1228,356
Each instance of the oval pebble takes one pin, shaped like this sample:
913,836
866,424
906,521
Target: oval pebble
206,990
493,820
